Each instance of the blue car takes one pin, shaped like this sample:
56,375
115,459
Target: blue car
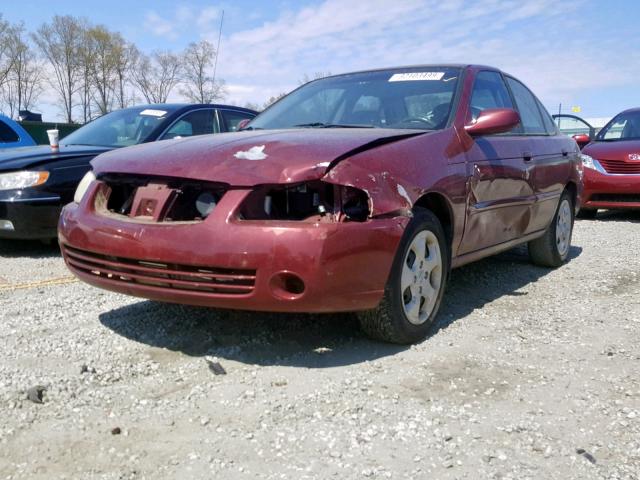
13,135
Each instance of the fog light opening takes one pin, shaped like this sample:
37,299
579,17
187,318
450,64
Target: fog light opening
287,285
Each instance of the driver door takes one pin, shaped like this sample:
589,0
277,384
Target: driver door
500,193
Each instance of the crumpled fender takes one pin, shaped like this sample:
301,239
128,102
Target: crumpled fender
386,193
396,175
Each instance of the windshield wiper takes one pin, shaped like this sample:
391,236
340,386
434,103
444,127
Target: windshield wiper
250,128
331,125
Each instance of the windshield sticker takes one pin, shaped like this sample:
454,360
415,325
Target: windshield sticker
416,76
153,113
254,153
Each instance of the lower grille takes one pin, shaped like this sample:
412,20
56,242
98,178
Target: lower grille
616,197
620,167
125,271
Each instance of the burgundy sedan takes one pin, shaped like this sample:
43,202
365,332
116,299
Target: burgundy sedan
356,192
612,165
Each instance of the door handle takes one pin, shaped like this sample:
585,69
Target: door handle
527,156
565,152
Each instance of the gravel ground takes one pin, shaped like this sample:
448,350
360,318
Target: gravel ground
534,374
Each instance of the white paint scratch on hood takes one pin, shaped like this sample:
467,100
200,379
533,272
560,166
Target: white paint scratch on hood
254,153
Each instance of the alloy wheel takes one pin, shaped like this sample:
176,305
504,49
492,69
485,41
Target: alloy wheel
563,228
421,277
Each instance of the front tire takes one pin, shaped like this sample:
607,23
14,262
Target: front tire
415,286
552,249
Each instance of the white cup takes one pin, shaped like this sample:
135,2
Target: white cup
53,138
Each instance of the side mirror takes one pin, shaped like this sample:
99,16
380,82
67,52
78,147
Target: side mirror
493,120
581,139
242,123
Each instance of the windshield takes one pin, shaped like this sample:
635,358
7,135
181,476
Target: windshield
118,129
625,126
408,98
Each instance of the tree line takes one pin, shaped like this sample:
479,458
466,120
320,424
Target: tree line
94,70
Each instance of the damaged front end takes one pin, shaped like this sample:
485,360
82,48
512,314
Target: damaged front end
174,200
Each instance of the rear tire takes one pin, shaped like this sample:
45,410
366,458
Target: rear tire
552,249
589,214
415,286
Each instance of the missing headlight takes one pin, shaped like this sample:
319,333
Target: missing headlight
192,200
311,202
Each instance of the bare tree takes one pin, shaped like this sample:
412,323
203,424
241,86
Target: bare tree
199,86
6,59
60,43
24,82
87,58
156,75
107,49
127,57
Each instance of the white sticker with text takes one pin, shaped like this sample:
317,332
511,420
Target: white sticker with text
153,113
416,76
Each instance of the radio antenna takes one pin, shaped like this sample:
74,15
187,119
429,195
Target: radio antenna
215,63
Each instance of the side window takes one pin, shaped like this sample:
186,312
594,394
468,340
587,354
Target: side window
549,124
232,118
489,91
198,122
7,134
527,107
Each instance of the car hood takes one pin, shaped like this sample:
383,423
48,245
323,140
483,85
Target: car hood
618,150
248,158
27,157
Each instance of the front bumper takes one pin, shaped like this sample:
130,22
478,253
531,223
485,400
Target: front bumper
343,266
32,217
610,191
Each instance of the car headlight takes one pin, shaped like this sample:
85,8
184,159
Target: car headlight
83,186
588,162
17,180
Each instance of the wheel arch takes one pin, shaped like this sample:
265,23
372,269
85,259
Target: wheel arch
439,205
572,188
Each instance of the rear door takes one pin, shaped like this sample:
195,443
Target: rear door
500,192
548,162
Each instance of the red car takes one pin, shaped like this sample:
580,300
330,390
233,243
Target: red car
356,192
612,164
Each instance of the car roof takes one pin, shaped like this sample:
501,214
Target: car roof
631,110
187,106
425,65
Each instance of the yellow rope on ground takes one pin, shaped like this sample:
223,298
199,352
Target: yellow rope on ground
41,283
